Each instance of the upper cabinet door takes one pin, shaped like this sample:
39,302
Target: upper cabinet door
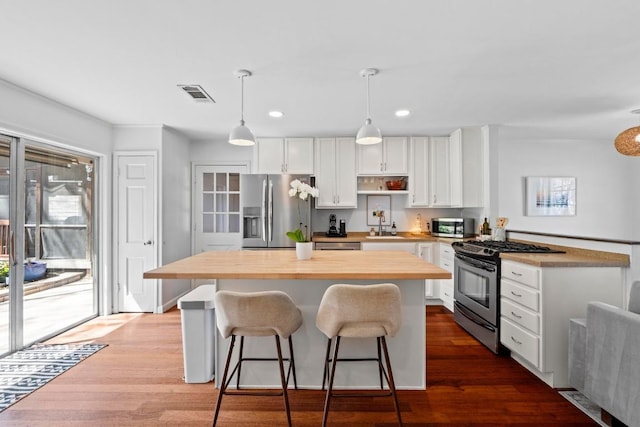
326,172
440,182
387,158
455,165
298,156
336,173
346,180
268,155
395,160
370,159
419,172
284,156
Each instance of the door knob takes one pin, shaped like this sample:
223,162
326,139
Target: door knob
148,242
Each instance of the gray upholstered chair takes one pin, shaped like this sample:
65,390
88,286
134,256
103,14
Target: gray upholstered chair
604,357
256,314
359,311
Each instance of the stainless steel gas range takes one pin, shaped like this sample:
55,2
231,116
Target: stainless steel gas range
477,286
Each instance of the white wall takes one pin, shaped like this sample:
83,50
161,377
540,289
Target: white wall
25,113
176,208
209,152
137,138
605,196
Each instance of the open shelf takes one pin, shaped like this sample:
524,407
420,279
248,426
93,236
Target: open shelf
383,192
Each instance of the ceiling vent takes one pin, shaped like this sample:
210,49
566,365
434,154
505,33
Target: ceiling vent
197,93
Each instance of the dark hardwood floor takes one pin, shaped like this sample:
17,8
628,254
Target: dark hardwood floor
137,381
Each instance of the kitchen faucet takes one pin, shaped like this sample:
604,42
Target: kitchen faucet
380,219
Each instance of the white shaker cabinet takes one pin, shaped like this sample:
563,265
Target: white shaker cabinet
536,305
390,157
419,194
445,260
425,251
291,156
467,165
440,172
335,160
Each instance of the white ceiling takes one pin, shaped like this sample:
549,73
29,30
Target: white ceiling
547,69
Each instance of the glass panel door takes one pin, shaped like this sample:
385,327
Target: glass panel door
46,195
5,297
59,290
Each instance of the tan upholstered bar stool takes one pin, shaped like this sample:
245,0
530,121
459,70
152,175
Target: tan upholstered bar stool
256,314
359,311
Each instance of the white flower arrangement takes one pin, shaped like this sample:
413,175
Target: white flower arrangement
302,191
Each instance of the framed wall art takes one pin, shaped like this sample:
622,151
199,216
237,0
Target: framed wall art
550,196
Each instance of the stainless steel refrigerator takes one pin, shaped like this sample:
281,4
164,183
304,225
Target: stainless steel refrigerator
268,211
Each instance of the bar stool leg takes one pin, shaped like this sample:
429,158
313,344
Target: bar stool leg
325,372
392,384
283,380
292,365
380,369
331,377
240,362
222,385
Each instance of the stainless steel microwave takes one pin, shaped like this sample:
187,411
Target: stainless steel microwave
453,227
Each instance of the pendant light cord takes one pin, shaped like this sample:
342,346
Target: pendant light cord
368,112
242,100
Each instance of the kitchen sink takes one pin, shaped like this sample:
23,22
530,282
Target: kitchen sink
385,237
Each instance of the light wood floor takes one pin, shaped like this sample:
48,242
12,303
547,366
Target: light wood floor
137,381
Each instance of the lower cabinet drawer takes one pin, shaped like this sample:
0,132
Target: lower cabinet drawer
520,294
446,293
520,315
520,341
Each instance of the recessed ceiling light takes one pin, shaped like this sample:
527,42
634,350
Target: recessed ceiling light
402,113
276,114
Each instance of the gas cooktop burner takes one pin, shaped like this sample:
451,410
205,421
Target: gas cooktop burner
493,249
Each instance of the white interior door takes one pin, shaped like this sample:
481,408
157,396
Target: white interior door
216,207
137,232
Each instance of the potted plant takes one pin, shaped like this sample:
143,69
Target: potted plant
4,271
303,192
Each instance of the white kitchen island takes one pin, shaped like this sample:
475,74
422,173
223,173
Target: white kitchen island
306,281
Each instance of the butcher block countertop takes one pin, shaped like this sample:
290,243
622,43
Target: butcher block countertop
359,236
574,257
282,264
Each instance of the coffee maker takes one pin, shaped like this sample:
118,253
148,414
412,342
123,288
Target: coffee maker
333,230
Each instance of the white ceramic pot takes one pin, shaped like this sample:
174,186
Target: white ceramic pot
304,250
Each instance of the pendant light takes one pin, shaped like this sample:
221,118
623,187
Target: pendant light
628,142
241,135
368,133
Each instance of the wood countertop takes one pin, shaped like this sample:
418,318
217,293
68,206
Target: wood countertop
282,264
574,257
360,236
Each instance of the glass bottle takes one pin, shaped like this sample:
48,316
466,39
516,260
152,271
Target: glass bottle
394,230
485,227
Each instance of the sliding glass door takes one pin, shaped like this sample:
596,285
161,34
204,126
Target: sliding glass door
47,202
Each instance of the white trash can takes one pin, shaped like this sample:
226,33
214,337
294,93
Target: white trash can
198,333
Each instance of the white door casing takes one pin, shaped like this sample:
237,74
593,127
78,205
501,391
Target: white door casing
137,232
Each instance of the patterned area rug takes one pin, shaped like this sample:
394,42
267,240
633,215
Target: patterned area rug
584,404
27,370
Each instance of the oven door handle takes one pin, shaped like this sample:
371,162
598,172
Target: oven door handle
477,263
474,318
